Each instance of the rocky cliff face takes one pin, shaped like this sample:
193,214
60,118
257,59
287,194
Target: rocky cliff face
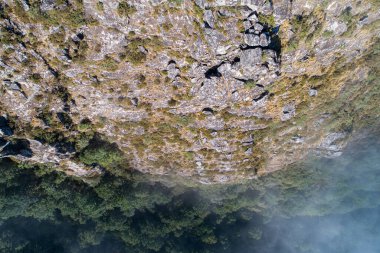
213,90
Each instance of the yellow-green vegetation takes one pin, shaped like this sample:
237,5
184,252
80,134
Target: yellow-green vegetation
199,29
134,54
198,11
103,153
167,26
100,6
350,20
9,37
190,59
240,26
351,107
327,34
306,29
267,20
177,2
250,84
183,120
346,16
72,16
85,125
78,51
124,9
227,116
35,77
175,54
108,63
58,37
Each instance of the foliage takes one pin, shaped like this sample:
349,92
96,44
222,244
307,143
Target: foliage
58,37
84,125
136,214
327,34
108,63
177,2
267,20
132,52
346,15
103,153
100,6
124,9
250,84
72,16
306,28
167,26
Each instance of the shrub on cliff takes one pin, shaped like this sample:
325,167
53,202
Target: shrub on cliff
103,153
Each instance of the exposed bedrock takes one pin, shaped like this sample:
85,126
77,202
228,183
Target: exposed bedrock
216,91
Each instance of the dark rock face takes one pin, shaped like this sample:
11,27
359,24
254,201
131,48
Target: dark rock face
64,147
4,127
17,147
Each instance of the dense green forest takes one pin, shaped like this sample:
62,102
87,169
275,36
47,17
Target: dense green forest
42,210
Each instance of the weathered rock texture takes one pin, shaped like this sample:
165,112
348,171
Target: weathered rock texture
214,90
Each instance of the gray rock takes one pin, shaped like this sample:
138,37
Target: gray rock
64,55
178,83
248,151
247,141
208,111
75,37
252,39
173,71
288,112
47,5
222,50
209,18
224,69
253,18
264,40
247,25
220,145
212,123
21,57
258,27
251,67
25,5
12,85
282,9
210,93
332,144
201,3
337,27
135,101
298,139
364,21
246,125
251,57
142,49
313,92
226,13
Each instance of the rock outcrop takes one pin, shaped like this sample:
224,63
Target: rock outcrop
213,90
